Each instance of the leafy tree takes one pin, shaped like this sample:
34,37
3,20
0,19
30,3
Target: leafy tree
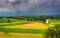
53,32
8,21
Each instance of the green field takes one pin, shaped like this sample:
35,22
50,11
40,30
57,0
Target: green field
54,21
19,30
14,22
17,22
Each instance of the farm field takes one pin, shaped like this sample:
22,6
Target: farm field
20,35
23,29
29,26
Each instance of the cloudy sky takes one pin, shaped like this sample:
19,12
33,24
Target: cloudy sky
29,7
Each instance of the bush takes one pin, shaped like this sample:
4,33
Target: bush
53,32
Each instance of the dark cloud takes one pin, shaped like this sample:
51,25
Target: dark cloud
48,7
34,7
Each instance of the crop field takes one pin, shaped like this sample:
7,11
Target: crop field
20,35
23,29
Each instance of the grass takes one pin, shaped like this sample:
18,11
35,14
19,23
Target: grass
6,20
1,25
16,20
11,20
11,24
3,20
54,21
22,22
19,30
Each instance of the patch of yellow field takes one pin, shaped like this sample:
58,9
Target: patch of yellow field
2,35
29,26
20,35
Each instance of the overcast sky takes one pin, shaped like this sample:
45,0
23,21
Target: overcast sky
29,7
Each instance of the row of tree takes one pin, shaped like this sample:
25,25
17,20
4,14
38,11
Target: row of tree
33,18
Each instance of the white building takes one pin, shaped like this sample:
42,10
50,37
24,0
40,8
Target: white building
47,21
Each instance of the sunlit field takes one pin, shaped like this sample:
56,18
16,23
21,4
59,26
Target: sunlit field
17,28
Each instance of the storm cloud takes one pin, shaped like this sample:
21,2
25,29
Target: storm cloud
34,7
